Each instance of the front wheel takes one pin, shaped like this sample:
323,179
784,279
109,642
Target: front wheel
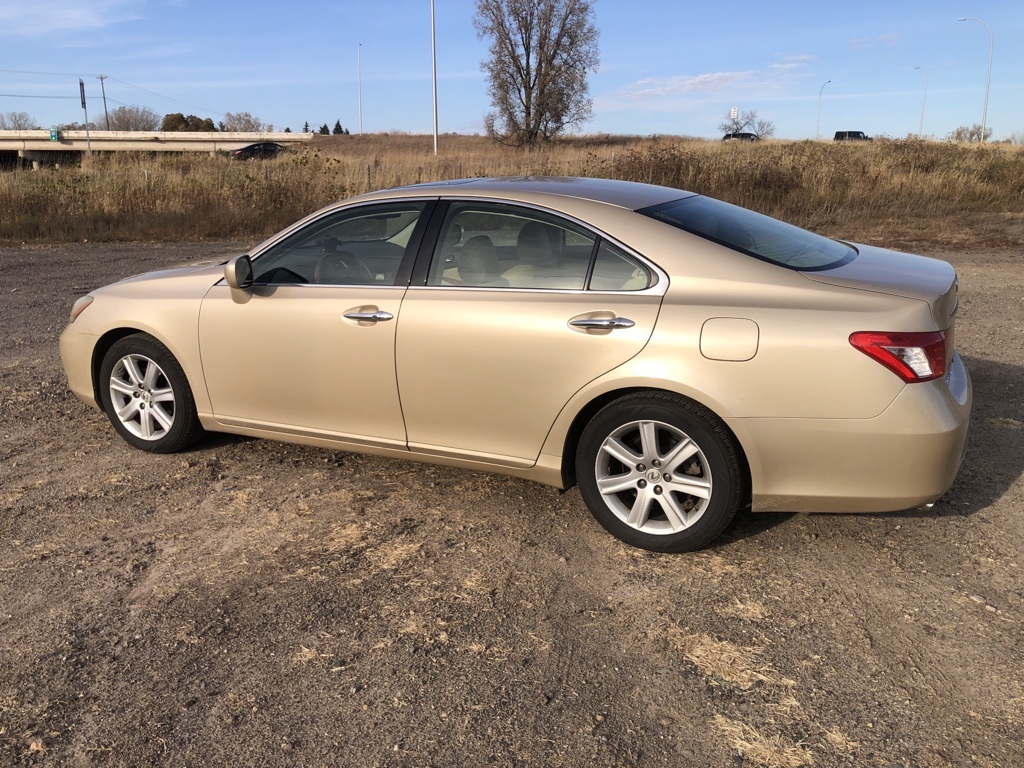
660,472
146,396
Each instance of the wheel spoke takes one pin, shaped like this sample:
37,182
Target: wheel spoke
121,386
160,415
618,450
152,374
128,411
693,486
649,440
131,367
613,484
641,509
685,450
674,512
146,424
163,395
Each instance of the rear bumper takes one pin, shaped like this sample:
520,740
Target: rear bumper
906,457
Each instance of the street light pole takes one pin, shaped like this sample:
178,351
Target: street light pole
920,130
988,78
359,83
817,129
433,64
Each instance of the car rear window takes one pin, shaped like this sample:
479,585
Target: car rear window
752,233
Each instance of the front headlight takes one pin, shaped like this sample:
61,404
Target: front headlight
79,307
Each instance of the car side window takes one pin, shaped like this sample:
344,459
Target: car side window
357,246
485,245
616,270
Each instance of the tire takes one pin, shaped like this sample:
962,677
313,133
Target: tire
146,396
660,472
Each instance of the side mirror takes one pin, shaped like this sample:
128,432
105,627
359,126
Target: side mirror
238,272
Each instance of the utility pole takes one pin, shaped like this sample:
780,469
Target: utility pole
106,117
359,83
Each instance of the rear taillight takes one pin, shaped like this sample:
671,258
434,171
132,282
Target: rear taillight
911,356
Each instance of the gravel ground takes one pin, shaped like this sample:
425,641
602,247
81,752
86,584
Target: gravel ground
257,603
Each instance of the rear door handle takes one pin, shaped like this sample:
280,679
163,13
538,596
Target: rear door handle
602,323
369,317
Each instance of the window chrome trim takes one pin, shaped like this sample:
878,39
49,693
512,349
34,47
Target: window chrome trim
660,287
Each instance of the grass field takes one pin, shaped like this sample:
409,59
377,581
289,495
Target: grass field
897,192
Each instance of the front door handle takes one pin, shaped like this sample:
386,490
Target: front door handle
369,317
602,323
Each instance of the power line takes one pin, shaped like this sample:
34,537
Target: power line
122,82
160,95
52,74
30,96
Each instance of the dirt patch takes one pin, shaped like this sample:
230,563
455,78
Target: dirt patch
257,603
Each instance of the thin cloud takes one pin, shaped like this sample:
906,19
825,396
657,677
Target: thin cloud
887,40
49,17
667,94
651,88
792,63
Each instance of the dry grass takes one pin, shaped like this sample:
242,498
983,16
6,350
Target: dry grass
892,191
725,663
758,749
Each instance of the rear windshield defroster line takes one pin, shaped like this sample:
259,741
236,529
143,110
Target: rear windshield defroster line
752,233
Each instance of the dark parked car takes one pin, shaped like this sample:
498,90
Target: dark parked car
852,136
741,137
263,150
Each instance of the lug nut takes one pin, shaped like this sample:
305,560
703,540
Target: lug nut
642,484
641,467
657,490
656,463
667,477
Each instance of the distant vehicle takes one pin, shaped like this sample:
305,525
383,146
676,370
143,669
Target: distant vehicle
741,137
263,150
852,136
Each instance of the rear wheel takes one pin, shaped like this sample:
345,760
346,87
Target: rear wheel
146,396
660,472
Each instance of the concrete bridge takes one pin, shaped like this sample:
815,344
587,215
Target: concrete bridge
41,146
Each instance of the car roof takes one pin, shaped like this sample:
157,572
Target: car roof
624,194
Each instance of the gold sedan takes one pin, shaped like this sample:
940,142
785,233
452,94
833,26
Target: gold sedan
678,357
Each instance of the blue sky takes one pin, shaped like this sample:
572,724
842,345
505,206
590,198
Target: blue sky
667,67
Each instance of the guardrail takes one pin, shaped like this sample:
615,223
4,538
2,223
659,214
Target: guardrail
140,141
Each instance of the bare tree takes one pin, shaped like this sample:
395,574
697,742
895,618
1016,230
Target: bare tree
747,122
763,129
133,118
968,133
243,121
16,121
540,54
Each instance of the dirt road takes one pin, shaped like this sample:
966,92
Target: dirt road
256,603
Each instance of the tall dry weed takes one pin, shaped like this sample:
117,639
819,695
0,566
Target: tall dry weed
888,190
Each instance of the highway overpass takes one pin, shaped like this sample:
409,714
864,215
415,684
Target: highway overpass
45,146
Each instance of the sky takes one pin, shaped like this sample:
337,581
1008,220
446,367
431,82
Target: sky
667,67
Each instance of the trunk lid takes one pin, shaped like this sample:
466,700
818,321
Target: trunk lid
898,274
